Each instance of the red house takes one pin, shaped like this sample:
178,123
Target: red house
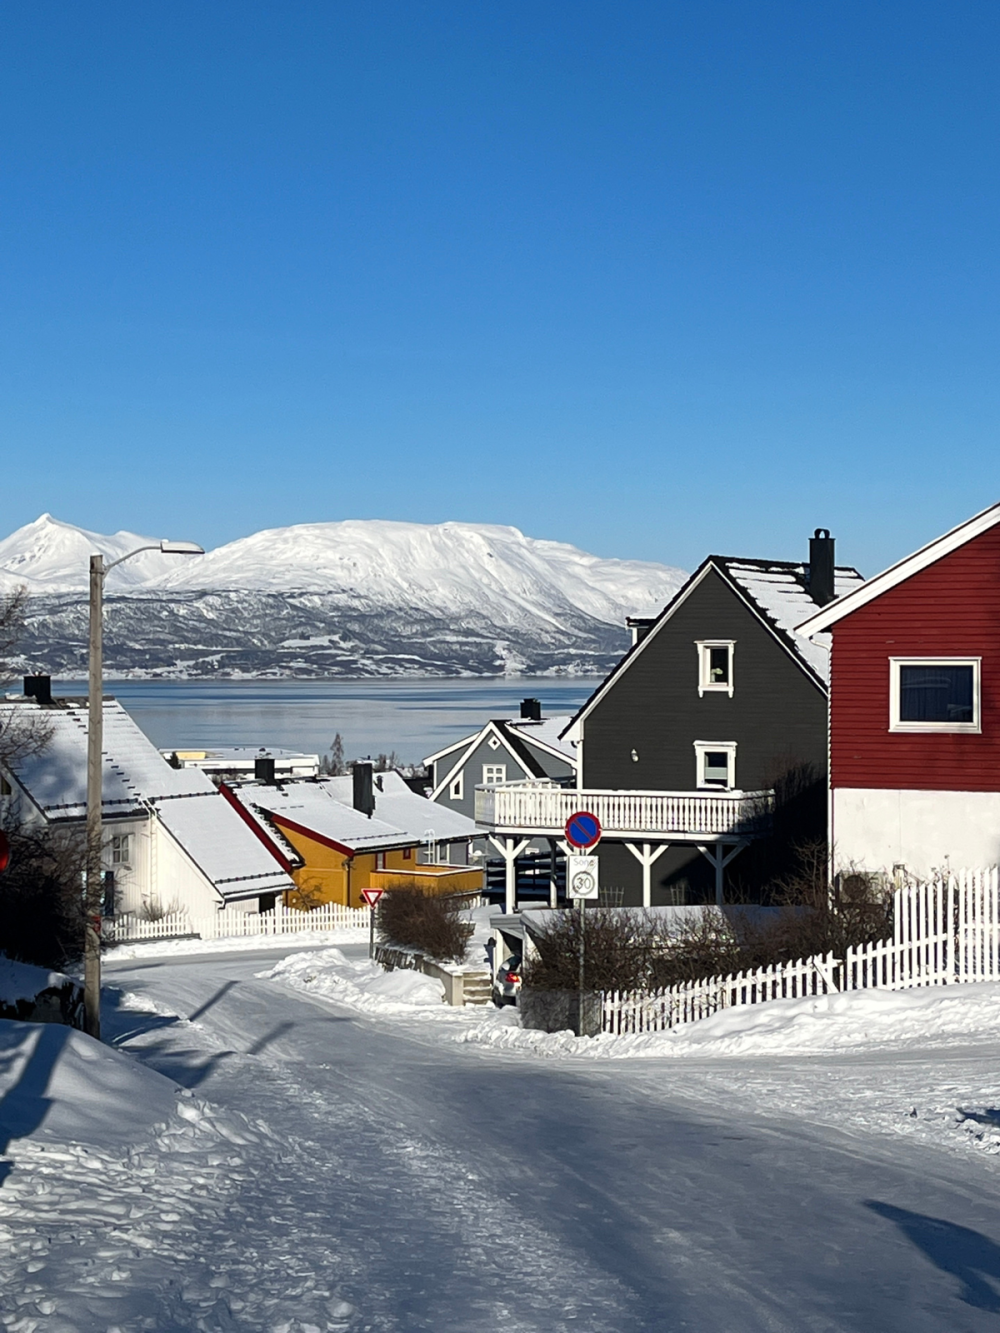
915,708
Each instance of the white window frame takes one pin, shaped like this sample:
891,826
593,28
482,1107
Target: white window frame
456,788
974,727
121,849
701,749
493,743
494,768
706,685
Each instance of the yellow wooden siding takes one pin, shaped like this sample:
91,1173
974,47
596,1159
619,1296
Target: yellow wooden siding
430,879
331,876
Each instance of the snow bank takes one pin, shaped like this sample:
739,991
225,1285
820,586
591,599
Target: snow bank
361,985
59,1084
859,1020
234,944
23,981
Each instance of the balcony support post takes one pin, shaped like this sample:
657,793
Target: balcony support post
510,849
717,853
647,857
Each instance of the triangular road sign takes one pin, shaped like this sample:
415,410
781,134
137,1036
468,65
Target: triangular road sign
371,896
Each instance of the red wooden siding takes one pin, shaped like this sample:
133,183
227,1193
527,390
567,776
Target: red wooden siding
952,609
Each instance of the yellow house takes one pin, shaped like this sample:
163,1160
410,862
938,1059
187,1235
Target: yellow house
333,851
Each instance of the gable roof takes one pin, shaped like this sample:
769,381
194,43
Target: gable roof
509,733
324,808
775,592
902,570
137,781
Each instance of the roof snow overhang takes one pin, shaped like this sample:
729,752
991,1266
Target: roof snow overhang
902,570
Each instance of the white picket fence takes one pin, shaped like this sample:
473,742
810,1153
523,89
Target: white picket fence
229,923
944,933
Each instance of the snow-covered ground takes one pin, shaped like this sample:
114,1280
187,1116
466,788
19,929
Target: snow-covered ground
338,1151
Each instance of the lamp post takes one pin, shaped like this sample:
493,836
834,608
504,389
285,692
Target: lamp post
95,743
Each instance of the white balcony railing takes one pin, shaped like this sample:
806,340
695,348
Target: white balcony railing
543,808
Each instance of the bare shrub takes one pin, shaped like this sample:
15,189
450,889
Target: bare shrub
41,896
635,950
153,910
431,923
619,951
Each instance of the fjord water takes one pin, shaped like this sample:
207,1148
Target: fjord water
412,717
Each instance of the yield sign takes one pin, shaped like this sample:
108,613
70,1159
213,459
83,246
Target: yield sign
583,829
371,896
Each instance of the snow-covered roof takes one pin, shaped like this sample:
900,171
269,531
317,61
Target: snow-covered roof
134,772
136,779
547,733
325,807
779,591
211,759
221,845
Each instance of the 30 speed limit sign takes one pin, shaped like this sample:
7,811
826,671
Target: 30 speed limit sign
581,876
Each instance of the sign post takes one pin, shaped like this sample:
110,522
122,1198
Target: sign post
583,831
371,897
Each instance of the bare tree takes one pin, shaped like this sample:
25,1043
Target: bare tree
41,905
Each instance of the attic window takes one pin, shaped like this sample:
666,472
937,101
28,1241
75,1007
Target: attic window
493,743
934,694
456,788
493,773
715,764
715,666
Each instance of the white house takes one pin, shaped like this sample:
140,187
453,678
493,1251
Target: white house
171,840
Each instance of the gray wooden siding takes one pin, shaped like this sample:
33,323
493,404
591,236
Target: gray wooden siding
777,715
473,771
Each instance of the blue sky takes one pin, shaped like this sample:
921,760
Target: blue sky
656,279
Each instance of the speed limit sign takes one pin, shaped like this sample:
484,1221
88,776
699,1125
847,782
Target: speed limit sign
581,877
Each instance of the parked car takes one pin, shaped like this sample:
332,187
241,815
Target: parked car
507,982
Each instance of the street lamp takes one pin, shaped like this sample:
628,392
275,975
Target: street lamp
95,744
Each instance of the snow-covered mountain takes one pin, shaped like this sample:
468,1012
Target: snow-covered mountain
351,598
48,556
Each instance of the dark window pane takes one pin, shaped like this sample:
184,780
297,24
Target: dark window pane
935,694
716,772
718,666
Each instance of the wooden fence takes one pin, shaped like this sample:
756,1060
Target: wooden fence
944,933
230,923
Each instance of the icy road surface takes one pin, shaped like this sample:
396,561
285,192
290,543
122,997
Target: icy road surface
333,1170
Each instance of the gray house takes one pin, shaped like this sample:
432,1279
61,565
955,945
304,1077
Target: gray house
713,724
504,750
522,749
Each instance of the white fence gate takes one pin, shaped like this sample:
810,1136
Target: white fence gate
945,932
229,923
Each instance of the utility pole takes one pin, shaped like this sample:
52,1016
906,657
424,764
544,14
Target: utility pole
94,884
95,746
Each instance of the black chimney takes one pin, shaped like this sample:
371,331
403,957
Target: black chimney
263,769
640,627
821,581
364,789
38,688
531,710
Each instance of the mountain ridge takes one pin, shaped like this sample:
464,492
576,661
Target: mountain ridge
358,597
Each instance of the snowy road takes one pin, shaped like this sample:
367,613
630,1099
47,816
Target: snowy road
390,1179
